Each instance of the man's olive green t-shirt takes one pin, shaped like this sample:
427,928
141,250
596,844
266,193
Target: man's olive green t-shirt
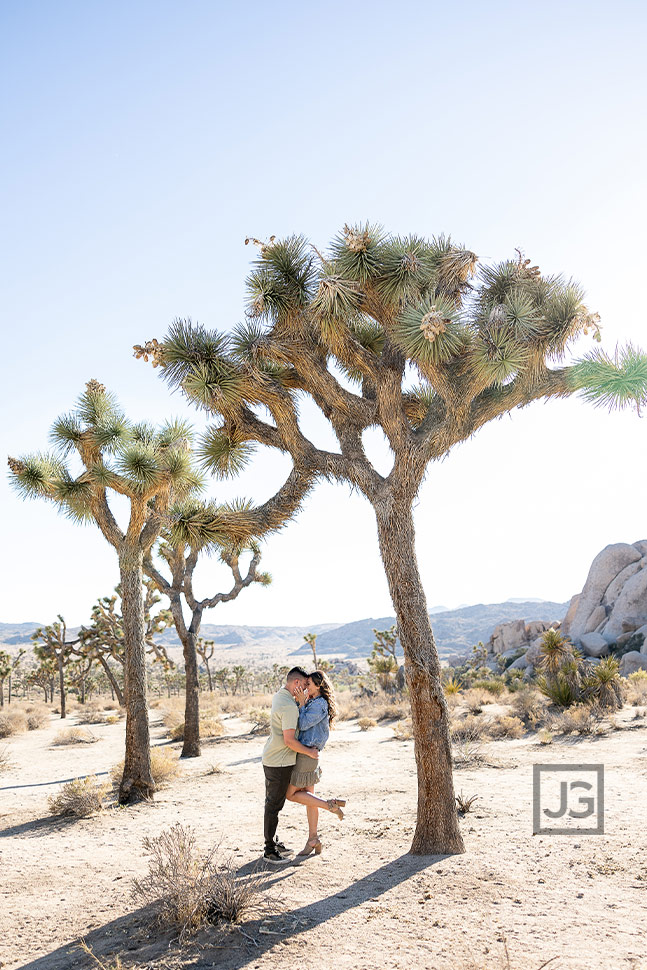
284,717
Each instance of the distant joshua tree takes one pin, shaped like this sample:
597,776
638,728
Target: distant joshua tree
52,646
411,336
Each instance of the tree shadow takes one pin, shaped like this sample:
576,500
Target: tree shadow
238,946
56,781
37,827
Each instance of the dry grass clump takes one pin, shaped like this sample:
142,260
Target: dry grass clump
5,763
582,719
403,730
74,735
545,736
475,697
636,688
530,705
91,715
365,723
79,798
37,717
14,723
491,685
467,728
260,721
468,753
391,711
164,768
190,889
463,804
506,726
351,708
210,727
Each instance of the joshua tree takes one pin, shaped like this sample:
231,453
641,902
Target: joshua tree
205,649
104,639
50,644
14,670
5,671
184,541
390,332
149,467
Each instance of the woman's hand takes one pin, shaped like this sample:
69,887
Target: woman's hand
300,695
314,753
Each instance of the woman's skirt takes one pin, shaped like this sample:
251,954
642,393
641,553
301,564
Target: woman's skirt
306,772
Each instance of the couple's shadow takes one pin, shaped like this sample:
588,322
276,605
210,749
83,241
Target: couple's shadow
236,950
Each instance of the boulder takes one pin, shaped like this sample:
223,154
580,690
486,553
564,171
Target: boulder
597,617
520,663
641,546
604,569
508,636
533,653
535,627
594,644
632,601
632,623
570,614
632,661
507,654
615,588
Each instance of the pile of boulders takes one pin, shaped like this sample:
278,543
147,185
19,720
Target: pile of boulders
608,616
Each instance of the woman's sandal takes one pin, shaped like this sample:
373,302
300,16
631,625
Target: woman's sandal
312,845
334,807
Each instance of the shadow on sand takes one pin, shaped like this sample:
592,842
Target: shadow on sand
127,936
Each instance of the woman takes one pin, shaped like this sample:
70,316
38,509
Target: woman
317,712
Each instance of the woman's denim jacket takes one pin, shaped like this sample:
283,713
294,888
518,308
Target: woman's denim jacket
313,723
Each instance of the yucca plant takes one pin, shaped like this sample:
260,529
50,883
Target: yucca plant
603,685
554,650
479,342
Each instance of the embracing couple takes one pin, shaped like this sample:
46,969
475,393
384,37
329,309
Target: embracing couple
302,712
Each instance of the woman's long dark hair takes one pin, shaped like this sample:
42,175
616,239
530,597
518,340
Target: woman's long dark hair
326,691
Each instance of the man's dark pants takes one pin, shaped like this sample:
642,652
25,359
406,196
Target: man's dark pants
276,786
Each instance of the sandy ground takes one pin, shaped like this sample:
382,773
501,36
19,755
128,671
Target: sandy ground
578,901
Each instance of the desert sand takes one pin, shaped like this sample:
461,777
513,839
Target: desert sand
569,902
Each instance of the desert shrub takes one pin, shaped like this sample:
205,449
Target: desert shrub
467,754
583,719
215,768
505,726
14,723
452,686
365,723
260,721
403,730
5,762
492,685
91,715
530,705
475,697
37,718
514,679
113,719
79,798
545,736
463,804
189,889
164,767
636,688
467,728
211,727
558,689
240,703
74,735
390,711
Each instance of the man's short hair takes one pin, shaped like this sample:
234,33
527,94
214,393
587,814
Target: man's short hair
296,672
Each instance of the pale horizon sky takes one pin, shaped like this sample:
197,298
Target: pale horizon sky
144,141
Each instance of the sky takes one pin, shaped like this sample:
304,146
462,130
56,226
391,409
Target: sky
143,141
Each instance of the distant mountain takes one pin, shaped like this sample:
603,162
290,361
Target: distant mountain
455,631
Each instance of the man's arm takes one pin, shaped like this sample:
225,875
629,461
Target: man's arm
291,742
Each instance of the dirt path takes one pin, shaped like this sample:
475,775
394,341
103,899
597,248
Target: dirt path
363,904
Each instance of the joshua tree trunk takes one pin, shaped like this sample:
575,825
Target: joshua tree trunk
61,685
112,680
437,829
137,782
191,746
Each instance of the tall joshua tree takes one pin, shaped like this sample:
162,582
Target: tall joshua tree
151,468
412,336
186,540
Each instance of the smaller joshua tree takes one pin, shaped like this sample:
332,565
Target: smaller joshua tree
51,645
151,468
104,638
181,547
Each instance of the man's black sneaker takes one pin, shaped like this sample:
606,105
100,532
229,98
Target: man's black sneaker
282,849
275,857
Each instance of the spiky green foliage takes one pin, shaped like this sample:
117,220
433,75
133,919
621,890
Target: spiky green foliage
223,452
357,252
603,684
612,381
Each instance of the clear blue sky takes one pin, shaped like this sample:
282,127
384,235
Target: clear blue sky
143,141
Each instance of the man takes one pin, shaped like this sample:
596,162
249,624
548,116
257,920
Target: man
279,756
